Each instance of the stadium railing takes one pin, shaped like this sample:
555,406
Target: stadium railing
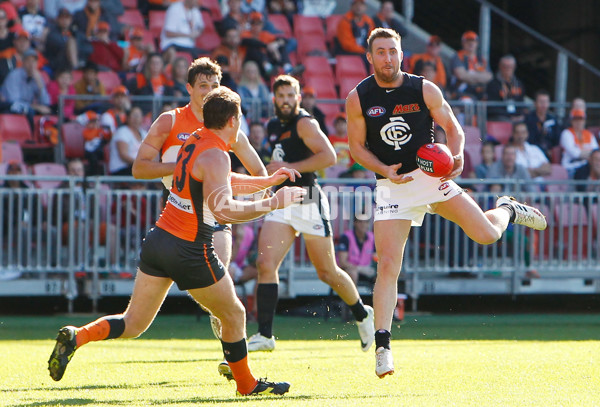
83,239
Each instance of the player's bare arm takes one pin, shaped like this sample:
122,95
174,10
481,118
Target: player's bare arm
212,167
317,142
442,114
242,184
248,155
357,138
147,164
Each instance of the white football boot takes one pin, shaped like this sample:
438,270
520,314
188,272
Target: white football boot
366,329
384,362
257,342
524,214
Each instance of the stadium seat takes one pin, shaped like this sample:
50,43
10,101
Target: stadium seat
48,169
324,86
572,219
133,18
311,45
110,80
129,4
474,149
347,84
556,155
214,9
304,25
472,134
209,39
156,21
558,173
318,66
11,151
15,127
331,23
281,23
349,66
72,139
500,131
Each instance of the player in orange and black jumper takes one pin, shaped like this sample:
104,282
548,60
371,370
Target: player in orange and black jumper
180,248
390,115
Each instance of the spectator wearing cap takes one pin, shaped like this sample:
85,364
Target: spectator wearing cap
33,20
86,19
62,85
137,51
95,138
432,56
13,57
339,141
470,73
268,50
6,37
106,53
544,128
353,30
116,115
507,88
183,24
24,88
577,142
89,85
61,43
230,56
309,103
385,18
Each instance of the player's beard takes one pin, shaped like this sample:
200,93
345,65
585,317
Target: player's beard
387,76
286,116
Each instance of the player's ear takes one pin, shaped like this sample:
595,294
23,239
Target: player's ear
370,58
188,87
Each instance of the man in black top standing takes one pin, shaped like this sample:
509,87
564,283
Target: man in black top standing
391,115
299,144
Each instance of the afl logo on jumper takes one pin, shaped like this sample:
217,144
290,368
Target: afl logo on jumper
376,111
183,136
396,132
278,153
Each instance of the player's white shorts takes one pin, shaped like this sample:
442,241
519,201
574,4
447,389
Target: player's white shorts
412,200
309,218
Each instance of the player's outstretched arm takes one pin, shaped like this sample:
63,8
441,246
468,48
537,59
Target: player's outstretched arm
357,138
242,184
248,155
442,114
213,167
323,153
146,164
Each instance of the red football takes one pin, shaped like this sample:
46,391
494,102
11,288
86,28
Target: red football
435,159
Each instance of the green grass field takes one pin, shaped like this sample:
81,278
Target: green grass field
482,360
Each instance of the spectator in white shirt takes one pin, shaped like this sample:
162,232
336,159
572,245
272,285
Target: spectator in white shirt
126,142
577,142
528,155
183,24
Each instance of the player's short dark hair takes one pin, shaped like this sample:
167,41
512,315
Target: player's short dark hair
220,105
203,66
286,80
382,33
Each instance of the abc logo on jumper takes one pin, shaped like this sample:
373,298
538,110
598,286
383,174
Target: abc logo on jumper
396,132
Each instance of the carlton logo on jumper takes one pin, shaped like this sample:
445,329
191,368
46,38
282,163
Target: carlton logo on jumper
278,153
183,136
376,111
396,132
401,109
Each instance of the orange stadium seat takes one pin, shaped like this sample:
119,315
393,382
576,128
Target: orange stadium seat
72,139
472,134
331,23
559,173
156,21
209,39
11,151
48,169
347,84
573,220
281,23
311,44
307,25
133,18
324,87
500,131
16,127
214,8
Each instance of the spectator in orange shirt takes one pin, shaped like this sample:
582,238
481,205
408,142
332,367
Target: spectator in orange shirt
470,73
230,56
137,51
12,58
266,49
151,82
431,54
353,30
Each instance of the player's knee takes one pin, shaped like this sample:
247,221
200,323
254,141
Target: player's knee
234,314
389,265
487,236
265,265
326,275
